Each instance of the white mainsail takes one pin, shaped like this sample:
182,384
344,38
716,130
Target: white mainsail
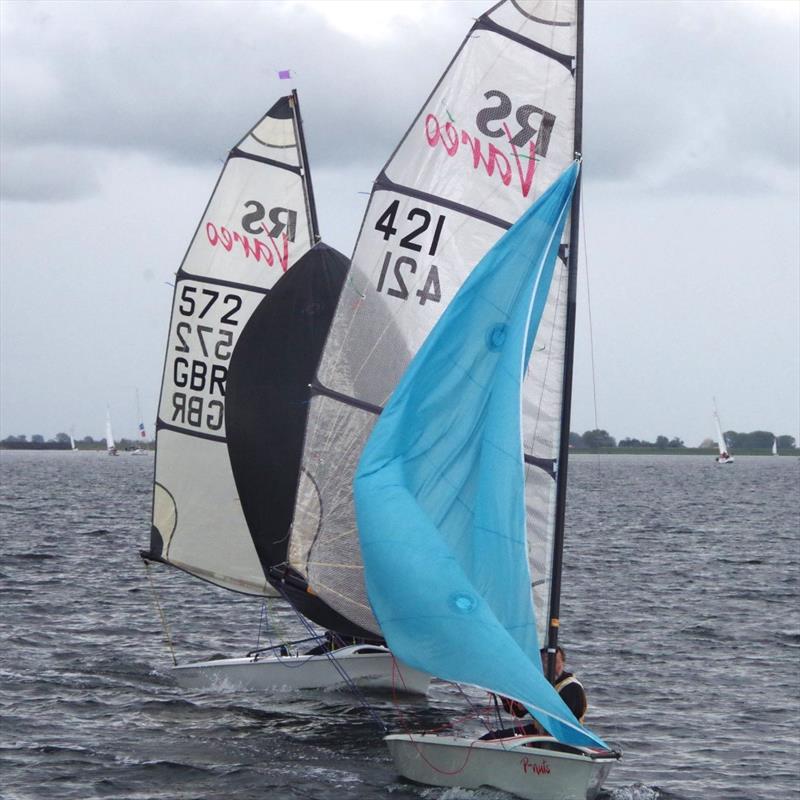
497,130
111,447
774,446
724,453
259,221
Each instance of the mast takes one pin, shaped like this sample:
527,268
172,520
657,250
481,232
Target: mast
311,207
569,354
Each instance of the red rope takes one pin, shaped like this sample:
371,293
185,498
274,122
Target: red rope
472,715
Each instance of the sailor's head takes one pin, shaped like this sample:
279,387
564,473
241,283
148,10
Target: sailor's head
561,658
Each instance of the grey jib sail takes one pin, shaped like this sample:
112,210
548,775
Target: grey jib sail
497,130
258,224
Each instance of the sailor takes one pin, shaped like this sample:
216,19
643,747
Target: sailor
569,689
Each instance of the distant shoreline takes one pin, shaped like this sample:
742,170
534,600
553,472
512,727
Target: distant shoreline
573,451
98,447
672,451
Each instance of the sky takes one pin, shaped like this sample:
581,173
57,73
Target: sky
116,118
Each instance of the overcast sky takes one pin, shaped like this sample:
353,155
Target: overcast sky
116,117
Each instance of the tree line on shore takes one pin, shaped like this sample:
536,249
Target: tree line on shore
61,441
589,440
755,440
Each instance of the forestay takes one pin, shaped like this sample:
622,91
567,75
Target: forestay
259,221
496,131
439,490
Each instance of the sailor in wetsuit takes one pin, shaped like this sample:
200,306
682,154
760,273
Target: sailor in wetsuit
569,689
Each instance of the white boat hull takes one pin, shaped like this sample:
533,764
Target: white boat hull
724,459
366,666
515,765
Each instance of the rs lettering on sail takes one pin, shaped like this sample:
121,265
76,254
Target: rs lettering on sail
524,143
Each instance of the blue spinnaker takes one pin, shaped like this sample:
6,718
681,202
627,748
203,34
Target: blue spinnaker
439,491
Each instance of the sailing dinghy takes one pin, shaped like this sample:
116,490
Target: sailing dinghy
140,450
442,497
252,305
724,456
498,131
111,447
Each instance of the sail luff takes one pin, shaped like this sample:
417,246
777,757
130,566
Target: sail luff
554,609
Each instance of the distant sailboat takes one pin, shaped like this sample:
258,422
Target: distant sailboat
774,445
724,456
111,447
72,443
140,450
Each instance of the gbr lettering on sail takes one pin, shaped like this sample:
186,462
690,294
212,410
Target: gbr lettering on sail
243,251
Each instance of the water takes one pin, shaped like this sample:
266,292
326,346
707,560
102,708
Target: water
680,614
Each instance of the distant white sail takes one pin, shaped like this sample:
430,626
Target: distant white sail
111,447
724,456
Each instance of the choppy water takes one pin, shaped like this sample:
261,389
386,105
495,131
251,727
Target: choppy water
680,614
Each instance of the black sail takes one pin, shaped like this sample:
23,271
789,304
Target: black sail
266,409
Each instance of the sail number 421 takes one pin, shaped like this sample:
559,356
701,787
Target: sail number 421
405,265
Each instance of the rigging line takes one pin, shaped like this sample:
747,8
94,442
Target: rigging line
589,309
475,711
334,662
261,622
160,612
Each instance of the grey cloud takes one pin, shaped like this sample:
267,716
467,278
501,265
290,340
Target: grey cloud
199,74
687,82
667,84
51,174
